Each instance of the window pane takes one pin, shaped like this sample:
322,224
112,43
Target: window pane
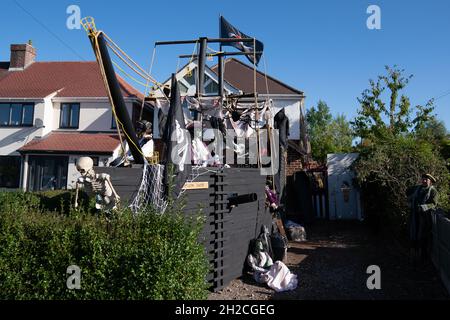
9,171
183,88
190,78
28,114
212,87
65,115
48,179
16,114
4,114
95,159
113,122
75,117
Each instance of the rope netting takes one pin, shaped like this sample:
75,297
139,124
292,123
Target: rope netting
151,190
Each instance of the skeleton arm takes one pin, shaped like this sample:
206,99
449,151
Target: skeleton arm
76,194
107,178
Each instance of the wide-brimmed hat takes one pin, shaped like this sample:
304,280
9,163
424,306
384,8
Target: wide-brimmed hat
429,176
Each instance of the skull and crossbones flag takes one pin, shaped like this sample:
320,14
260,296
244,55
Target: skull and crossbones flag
228,31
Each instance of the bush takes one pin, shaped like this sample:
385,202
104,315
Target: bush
148,256
386,169
47,201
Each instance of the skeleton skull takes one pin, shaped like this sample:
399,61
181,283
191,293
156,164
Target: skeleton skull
84,165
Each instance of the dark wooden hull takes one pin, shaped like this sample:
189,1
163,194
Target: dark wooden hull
227,233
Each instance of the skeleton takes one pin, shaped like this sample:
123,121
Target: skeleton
99,185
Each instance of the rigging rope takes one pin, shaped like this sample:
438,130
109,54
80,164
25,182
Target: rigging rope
256,102
146,92
127,74
130,62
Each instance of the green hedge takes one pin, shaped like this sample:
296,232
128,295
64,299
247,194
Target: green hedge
387,169
149,256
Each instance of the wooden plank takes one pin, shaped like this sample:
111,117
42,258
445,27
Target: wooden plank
236,228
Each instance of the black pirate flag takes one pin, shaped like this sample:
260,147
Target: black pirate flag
228,31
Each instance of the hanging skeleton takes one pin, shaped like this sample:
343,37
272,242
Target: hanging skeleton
99,185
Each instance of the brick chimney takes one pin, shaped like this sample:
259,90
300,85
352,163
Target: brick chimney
22,56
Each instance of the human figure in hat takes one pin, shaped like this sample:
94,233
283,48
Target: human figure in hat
422,199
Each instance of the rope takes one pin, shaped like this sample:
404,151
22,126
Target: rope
256,102
128,75
192,55
215,51
178,65
146,92
146,77
153,60
271,142
112,43
141,72
266,78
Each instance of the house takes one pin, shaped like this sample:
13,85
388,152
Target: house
52,113
239,79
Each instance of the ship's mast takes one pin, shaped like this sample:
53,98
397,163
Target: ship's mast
113,89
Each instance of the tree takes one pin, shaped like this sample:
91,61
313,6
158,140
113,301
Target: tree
399,143
342,134
378,119
386,170
327,134
434,131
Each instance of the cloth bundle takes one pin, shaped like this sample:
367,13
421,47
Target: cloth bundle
276,275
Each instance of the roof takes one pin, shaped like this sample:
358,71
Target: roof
241,76
4,66
69,79
207,70
68,142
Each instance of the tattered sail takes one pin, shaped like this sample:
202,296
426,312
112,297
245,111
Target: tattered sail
178,141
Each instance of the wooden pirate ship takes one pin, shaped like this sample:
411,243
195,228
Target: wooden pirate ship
231,196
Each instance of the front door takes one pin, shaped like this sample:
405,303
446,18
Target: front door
343,195
47,173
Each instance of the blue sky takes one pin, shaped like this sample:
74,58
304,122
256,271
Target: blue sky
322,47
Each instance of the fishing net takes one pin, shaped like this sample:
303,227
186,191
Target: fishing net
151,190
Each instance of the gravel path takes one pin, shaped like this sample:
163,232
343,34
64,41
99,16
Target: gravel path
332,265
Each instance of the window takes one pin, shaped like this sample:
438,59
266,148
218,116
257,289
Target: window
9,171
190,77
16,114
47,173
212,88
95,159
70,115
183,88
113,122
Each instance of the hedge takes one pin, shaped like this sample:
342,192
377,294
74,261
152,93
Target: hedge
148,256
